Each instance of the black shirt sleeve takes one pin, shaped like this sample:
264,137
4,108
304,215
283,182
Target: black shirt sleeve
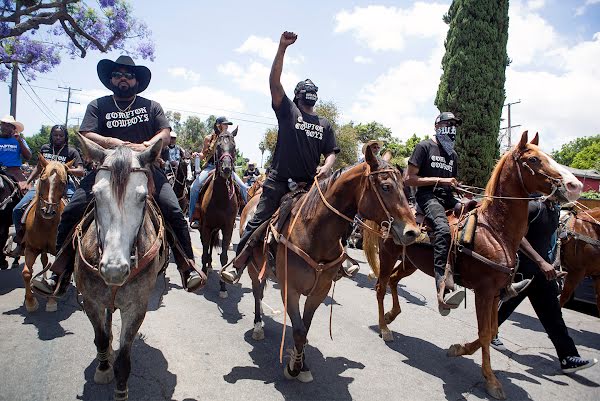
74,155
90,118
329,143
285,108
160,120
419,156
164,153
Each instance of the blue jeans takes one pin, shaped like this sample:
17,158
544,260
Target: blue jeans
20,208
199,181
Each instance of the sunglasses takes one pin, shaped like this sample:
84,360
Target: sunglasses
119,75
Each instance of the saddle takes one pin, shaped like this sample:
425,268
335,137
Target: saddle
211,177
462,215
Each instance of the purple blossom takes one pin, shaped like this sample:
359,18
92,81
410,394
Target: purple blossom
107,3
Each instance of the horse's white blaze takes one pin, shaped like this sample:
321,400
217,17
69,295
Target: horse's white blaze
572,185
118,225
190,176
52,181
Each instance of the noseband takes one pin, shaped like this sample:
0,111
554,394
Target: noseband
555,182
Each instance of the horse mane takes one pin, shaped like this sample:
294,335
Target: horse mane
313,197
492,184
119,165
54,166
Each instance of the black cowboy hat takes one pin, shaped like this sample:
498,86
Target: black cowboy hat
106,67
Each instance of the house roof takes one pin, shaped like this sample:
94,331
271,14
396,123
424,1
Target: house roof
595,174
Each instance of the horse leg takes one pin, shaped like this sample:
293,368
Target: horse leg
572,280
224,258
130,324
101,320
258,290
293,370
51,305
206,249
3,238
31,303
597,286
398,274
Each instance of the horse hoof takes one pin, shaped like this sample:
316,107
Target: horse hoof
387,335
495,392
305,376
455,350
290,375
32,306
104,376
223,294
258,333
388,318
51,305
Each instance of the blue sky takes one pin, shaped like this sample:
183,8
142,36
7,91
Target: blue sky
376,60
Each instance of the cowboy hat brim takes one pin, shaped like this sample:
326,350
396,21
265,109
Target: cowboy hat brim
369,143
10,120
106,67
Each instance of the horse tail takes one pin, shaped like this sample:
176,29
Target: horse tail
371,247
215,241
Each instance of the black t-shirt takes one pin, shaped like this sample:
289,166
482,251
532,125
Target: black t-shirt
301,140
143,120
65,155
433,161
543,222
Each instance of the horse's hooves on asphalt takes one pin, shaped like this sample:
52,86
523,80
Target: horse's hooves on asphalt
51,305
104,376
495,392
388,318
305,376
259,332
454,350
223,294
33,306
387,335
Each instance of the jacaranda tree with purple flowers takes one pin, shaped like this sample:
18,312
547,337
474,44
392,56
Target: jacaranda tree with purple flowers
35,33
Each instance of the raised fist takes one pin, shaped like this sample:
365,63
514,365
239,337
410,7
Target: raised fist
287,38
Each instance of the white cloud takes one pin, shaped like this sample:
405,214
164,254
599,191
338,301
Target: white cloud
581,9
265,48
255,76
363,60
182,72
201,99
536,4
387,28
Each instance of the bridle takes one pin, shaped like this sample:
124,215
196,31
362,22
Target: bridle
386,225
555,182
43,204
219,160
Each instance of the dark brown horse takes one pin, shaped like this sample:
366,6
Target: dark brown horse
121,248
41,224
502,224
219,204
9,197
309,257
182,179
580,251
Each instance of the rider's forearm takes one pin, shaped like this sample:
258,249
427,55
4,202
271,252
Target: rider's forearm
34,174
25,152
416,181
77,171
530,252
329,161
277,91
106,142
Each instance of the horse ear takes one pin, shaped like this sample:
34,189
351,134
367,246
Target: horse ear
70,164
150,154
536,139
523,142
371,159
42,160
387,156
91,149
234,133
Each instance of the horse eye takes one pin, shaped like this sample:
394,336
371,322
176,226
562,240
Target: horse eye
386,187
534,159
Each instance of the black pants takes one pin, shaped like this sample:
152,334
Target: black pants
271,195
543,295
435,211
163,194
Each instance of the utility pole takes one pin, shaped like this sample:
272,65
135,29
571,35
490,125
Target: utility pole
508,128
68,102
15,74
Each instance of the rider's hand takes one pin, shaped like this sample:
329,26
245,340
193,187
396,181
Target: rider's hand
138,147
322,172
449,181
287,38
548,270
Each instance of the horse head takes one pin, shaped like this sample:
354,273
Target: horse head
540,174
186,165
51,186
225,153
121,190
383,200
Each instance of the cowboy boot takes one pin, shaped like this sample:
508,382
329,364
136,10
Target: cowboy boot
62,269
350,267
448,296
514,289
191,279
232,272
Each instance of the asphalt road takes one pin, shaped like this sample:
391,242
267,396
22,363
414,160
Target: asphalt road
200,347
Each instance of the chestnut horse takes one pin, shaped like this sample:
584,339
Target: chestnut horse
502,224
310,254
218,204
120,250
41,224
580,251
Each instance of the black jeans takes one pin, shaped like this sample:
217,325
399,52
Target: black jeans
434,210
271,195
163,194
543,295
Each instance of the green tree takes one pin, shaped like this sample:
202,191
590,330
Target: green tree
346,138
472,84
35,142
373,131
568,151
588,157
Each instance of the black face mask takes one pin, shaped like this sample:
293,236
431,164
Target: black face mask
309,98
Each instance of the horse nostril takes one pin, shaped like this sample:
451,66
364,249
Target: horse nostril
573,187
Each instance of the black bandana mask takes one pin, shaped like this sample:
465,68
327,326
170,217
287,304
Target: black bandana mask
309,98
446,137
307,91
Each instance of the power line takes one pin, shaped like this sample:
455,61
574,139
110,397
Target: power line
50,111
68,102
34,102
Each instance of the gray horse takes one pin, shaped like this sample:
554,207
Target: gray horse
121,248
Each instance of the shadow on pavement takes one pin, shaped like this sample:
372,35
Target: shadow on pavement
327,371
460,375
48,323
580,337
228,307
150,378
11,279
363,281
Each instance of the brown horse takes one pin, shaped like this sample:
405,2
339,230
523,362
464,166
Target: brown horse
256,187
309,256
120,250
41,224
219,204
502,224
182,178
580,251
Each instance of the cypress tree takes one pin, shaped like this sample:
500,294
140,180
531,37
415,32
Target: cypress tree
472,84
